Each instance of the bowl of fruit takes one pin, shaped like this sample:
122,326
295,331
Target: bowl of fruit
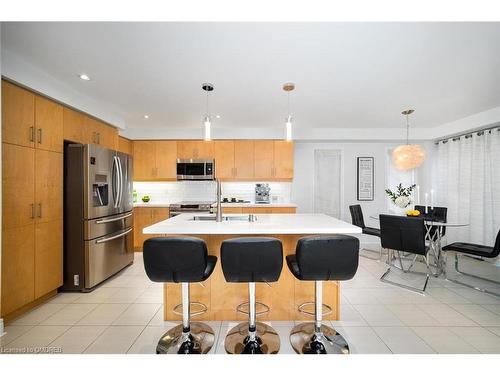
413,213
145,198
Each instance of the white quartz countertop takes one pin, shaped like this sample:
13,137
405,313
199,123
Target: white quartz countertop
265,224
271,205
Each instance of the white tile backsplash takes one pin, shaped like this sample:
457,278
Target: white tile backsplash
177,191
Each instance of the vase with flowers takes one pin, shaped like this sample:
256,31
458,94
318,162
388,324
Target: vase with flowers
401,197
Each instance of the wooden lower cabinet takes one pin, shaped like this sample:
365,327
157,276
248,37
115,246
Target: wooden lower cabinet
268,210
18,268
144,217
231,210
259,210
48,257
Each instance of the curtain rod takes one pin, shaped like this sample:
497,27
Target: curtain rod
469,134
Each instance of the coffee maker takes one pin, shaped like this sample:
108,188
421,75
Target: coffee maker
262,193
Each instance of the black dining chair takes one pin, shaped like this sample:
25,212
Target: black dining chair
404,234
467,249
358,220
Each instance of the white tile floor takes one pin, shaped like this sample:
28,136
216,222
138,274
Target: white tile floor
124,315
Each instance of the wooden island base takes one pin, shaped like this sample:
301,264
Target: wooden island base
221,298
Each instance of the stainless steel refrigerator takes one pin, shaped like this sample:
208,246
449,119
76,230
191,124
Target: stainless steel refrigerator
98,221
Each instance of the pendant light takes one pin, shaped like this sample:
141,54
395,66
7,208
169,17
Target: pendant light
288,87
407,157
207,121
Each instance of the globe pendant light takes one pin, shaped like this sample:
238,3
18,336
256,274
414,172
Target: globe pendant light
288,121
207,121
407,157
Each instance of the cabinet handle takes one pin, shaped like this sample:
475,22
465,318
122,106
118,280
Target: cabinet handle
40,136
32,210
32,134
39,210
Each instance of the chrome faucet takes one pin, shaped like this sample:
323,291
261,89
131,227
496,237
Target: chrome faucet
218,217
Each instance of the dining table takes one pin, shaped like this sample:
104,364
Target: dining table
433,237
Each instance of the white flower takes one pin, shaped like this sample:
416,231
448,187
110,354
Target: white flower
402,201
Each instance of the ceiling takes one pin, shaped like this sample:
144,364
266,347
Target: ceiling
347,75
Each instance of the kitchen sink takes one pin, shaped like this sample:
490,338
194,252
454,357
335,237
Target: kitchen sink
226,218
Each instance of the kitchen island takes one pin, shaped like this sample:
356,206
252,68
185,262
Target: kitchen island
221,298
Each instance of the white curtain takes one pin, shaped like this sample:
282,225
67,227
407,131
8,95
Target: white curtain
468,177
327,182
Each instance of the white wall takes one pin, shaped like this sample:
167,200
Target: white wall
174,192
302,187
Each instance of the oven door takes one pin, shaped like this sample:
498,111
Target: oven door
195,169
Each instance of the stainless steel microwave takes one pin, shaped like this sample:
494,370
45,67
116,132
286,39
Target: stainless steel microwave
195,169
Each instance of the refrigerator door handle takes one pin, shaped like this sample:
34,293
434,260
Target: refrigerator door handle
104,221
116,184
107,239
120,196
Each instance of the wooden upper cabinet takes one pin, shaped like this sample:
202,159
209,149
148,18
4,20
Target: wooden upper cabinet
48,186
18,185
264,159
244,159
165,160
48,257
144,160
224,152
18,115
91,130
125,145
195,149
107,136
48,124
74,126
283,159
99,133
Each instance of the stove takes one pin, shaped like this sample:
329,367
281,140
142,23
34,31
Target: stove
202,207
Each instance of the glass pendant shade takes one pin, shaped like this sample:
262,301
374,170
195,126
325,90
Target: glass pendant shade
406,157
207,125
288,129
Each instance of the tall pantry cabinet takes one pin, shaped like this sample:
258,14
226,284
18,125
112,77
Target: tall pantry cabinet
32,196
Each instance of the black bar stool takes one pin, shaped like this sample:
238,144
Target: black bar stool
181,260
250,260
322,258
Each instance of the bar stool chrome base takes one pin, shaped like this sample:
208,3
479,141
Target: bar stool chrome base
239,340
199,340
305,340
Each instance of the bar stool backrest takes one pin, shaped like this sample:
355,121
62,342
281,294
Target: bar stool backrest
251,259
496,248
403,234
357,216
328,257
175,259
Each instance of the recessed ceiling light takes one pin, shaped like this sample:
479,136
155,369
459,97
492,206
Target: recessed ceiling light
84,77
146,116
217,116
